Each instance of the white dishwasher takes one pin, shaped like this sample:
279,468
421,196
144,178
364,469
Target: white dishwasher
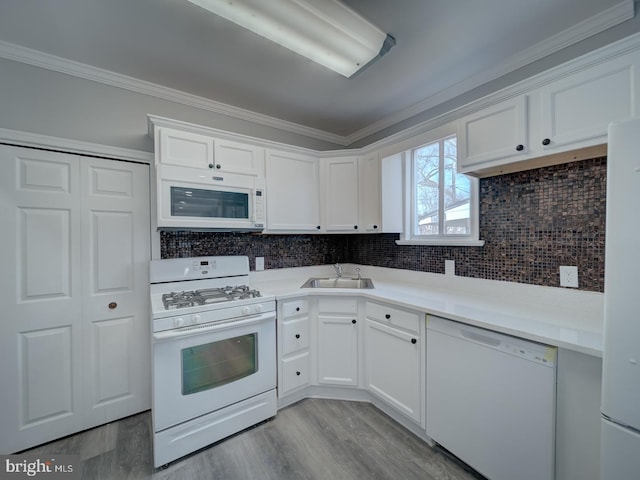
491,400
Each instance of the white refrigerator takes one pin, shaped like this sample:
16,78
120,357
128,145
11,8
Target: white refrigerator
620,438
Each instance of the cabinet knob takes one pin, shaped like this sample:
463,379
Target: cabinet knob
318,227
218,166
414,341
297,309
546,141
387,316
353,321
211,165
112,305
375,227
355,227
298,372
520,147
297,335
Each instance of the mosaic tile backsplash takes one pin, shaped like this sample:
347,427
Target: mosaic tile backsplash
532,222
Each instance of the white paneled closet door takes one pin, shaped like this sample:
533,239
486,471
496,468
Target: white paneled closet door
115,281
66,365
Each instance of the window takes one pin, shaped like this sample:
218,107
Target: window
441,203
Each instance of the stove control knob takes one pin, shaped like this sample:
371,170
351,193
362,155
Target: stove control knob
259,307
195,319
246,310
178,322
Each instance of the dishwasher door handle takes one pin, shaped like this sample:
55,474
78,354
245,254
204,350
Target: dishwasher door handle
477,337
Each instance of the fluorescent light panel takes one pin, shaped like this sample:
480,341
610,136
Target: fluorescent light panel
325,31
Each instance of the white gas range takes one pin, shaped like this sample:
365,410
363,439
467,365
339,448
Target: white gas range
214,353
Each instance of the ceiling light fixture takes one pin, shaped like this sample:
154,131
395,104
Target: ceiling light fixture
325,31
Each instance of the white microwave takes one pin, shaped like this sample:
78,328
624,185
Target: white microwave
220,202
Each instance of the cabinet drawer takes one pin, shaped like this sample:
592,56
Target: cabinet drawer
295,335
395,316
295,307
295,372
338,305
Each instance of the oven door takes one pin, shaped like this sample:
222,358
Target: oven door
202,369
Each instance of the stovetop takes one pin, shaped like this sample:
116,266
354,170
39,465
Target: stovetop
192,298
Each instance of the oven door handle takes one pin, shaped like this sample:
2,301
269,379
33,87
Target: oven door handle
214,326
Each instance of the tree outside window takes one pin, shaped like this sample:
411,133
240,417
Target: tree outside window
442,196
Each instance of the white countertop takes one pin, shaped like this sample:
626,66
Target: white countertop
562,317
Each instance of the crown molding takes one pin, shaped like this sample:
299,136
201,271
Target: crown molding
36,140
587,28
36,58
598,23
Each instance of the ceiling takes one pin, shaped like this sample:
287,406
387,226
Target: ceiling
444,48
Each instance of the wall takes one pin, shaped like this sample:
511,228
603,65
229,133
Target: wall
46,102
532,222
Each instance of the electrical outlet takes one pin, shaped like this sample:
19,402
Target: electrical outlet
259,264
569,276
449,267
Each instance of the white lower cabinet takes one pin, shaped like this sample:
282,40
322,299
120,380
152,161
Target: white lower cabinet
294,354
295,372
394,358
338,341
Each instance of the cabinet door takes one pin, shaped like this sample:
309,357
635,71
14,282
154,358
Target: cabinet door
295,335
238,157
295,373
341,194
393,367
493,133
370,188
337,350
580,107
293,189
185,149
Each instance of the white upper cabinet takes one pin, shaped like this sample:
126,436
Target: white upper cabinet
238,157
497,132
571,111
580,107
184,149
351,194
369,188
341,198
187,149
293,187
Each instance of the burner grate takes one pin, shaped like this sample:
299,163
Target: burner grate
184,299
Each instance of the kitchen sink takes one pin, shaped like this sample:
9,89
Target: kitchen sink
338,282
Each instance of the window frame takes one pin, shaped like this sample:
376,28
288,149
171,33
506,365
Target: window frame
408,237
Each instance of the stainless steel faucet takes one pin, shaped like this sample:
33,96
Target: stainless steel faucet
338,269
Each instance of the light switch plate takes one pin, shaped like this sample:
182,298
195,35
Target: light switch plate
259,264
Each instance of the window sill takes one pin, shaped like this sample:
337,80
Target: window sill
444,242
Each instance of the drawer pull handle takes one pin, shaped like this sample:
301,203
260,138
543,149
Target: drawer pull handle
297,335
414,341
387,316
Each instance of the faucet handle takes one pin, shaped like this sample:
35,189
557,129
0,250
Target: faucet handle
358,272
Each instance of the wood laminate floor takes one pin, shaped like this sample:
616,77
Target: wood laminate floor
313,439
